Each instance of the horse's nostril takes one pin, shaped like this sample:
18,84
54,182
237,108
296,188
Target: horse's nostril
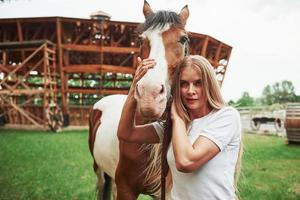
162,90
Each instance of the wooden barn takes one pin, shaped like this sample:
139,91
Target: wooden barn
70,63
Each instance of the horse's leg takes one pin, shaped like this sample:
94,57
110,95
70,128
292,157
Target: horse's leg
104,185
94,123
127,189
106,193
125,193
114,190
99,184
124,188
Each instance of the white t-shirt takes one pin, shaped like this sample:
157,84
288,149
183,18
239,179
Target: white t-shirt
215,179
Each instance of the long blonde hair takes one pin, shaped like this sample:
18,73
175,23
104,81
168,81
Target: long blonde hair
212,91
210,85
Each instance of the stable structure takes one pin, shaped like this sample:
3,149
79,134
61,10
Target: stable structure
18,91
85,59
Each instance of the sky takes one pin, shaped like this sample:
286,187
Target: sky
264,34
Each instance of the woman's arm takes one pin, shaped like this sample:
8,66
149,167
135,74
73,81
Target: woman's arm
189,157
127,130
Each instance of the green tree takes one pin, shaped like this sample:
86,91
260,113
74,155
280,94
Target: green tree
280,92
245,100
231,103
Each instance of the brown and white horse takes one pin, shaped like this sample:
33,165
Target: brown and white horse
135,169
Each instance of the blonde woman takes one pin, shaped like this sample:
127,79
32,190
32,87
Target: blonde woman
205,149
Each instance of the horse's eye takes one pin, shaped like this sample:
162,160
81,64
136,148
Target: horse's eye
183,39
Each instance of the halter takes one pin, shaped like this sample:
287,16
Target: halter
187,47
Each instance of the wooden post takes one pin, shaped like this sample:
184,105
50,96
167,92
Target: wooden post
54,70
20,35
46,82
4,58
217,57
60,64
101,54
204,47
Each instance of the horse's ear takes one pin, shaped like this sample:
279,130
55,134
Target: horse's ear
184,14
147,9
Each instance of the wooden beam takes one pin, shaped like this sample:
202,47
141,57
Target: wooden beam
217,57
27,74
4,69
20,35
4,58
98,91
204,47
38,31
23,63
17,92
20,110
95,48
60,65
98,68
20,105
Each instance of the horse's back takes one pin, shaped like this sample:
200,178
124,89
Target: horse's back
105,148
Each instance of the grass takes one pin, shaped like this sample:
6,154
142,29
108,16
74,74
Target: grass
44,165
271,169
37,165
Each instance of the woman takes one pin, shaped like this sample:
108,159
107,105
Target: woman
204,153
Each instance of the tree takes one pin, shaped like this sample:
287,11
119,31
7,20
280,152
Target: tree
245,100
231,103
279,93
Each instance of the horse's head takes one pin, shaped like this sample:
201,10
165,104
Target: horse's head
166,41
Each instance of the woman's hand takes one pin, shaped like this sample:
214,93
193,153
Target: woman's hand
174,114
141,70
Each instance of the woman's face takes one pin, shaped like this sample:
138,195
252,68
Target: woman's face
192,92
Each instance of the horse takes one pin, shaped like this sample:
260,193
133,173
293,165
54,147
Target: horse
130,169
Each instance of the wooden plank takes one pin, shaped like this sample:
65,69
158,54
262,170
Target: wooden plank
97,91
60,65
106,49
17,92
98,68
22,64
26,75
24,44
16,107
217,57
37,31
204,47
4,58
20,35
20,105
4,69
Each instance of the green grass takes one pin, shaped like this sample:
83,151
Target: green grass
271,169
44,165
37,165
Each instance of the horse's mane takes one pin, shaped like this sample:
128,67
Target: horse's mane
159,19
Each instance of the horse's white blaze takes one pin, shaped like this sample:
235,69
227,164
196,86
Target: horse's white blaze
106,147
151,93
157,75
